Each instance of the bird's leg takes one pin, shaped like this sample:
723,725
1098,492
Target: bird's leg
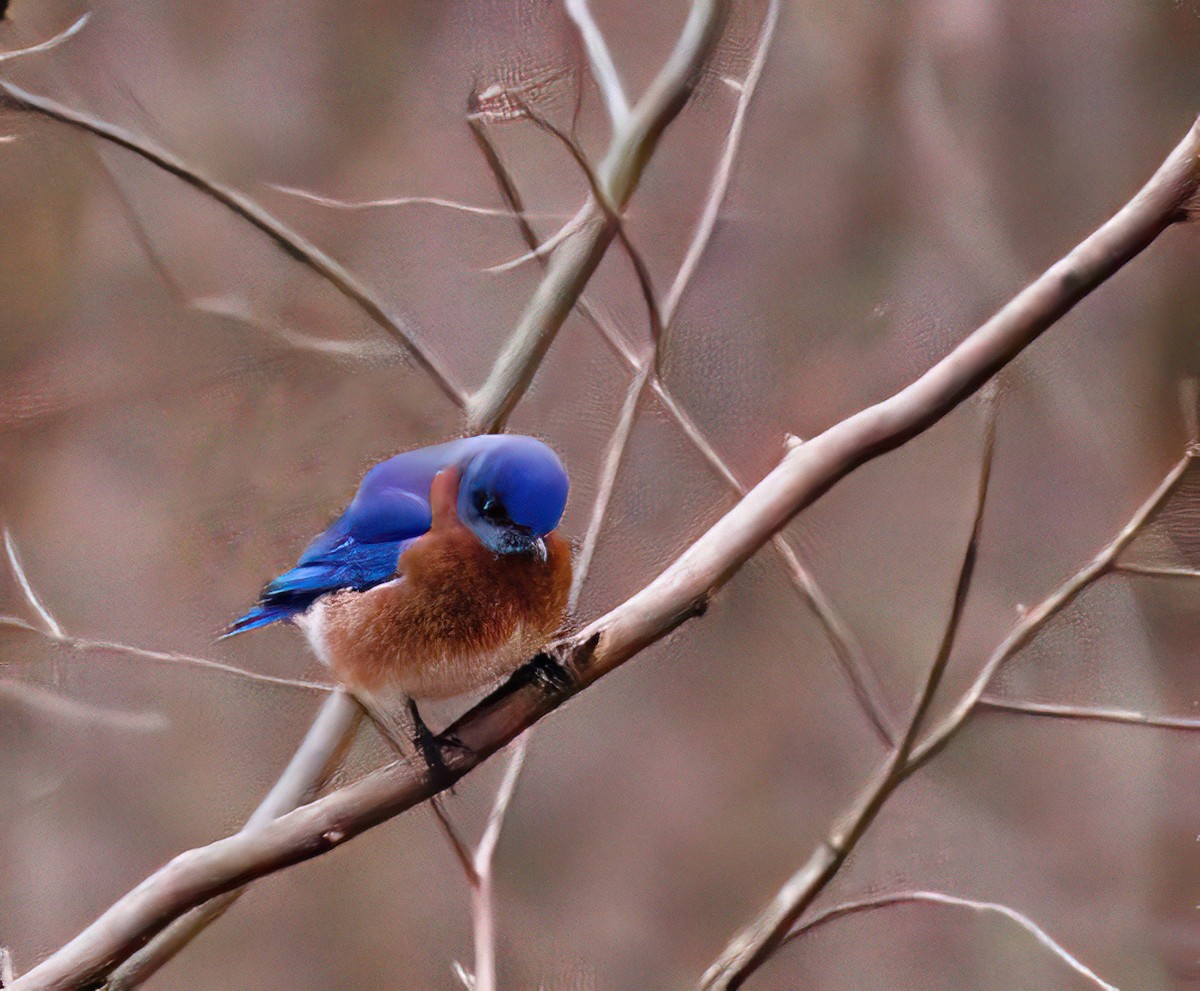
431,744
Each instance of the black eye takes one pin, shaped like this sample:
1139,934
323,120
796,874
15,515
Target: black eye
491,509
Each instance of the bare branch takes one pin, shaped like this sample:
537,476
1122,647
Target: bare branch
608,479
601,61
940,898
483,914
1086,713
1156,571
171,657
720,181
678,594
35,603
573,263
7,970
81,714
1032,622
397,201
49,43
321,751
754,945
612,213
235,308
760,940
477,868
292,243
543,249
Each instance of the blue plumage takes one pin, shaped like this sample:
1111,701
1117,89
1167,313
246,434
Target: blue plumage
513,492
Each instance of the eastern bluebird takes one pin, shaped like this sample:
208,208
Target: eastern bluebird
442,575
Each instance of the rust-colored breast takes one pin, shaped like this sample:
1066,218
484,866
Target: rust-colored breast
457,618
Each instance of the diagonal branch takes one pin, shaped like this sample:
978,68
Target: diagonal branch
49,43
601,61
576,259
681,592
292,243
769,930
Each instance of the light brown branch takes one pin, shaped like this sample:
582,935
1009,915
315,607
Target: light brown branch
768,931
1156,571
679,593
572,264
82,714
940,898
49,43
1087,713
290,242
318,755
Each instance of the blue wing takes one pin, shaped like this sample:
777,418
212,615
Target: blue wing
358,551
362,546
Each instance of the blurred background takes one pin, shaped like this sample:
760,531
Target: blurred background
168,442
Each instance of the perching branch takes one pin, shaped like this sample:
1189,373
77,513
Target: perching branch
320,753
679,593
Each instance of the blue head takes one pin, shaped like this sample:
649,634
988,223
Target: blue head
512,494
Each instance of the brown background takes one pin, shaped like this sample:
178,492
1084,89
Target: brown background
906,168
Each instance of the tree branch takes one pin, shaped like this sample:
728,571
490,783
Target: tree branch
751,948
321,751
939,898
572,264
680,592
293,244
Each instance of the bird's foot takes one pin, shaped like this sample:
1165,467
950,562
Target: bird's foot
432,746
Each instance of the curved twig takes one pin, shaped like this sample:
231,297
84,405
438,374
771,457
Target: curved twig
940,898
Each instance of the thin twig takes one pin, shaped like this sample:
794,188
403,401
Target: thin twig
608,479
397,201
1128,717
291,242
724,171
675,596
236,309
477,868
35,603
940,898
1156,571
601,62
172,657
759,940
542,249
1036,618
45,46
611,212
571,266
76,713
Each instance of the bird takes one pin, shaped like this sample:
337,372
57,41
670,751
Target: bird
444,574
